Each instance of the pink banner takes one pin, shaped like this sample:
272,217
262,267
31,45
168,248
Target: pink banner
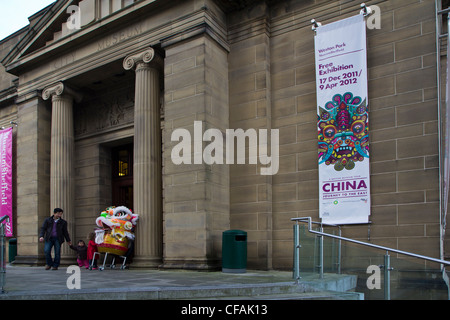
6,179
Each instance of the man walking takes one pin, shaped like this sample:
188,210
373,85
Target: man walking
53,232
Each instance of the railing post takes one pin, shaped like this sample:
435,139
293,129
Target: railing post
339,251
321,253
387,276
2,257
297,246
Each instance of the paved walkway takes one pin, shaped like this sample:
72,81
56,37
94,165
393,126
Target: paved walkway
37,283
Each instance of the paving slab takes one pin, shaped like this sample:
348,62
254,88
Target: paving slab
30,283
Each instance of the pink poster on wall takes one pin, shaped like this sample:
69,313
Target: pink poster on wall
6,179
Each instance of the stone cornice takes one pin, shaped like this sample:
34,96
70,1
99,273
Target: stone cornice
17,60
201,28
113,45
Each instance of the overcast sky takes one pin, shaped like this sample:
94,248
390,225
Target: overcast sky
14,14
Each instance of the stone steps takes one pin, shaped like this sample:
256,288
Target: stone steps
27,283
334,288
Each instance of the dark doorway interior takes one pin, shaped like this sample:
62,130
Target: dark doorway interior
122,176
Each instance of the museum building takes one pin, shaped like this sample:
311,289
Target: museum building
95,89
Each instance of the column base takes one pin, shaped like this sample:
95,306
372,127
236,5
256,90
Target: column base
31,261
68,261
39,260
193,264
146,262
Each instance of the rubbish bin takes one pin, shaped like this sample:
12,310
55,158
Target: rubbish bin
12,249
234,251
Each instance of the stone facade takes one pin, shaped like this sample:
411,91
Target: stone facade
138,70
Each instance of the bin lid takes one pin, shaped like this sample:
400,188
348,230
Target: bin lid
13,241
235,232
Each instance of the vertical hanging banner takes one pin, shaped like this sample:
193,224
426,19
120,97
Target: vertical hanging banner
343,122
6,179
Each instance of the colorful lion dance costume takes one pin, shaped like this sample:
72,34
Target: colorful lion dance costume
117,225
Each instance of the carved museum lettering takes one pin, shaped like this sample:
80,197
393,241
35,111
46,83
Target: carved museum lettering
119,37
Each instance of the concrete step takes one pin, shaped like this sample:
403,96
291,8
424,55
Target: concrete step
316,295
275,291
307,290
340,290
23,283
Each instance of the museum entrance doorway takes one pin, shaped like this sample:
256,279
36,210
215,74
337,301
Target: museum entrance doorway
122,176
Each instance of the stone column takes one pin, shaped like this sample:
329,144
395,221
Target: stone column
62,155
196,196
147,157
33,176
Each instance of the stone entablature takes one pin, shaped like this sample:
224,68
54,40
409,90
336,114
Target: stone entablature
91,48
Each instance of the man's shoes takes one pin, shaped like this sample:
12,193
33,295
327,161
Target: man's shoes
53,268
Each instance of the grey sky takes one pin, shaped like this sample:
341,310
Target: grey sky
14,14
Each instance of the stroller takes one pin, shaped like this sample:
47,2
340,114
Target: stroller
110,247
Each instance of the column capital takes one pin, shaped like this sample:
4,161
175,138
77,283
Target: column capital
146,56
58,89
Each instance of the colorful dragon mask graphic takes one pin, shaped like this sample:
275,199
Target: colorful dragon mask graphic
343,129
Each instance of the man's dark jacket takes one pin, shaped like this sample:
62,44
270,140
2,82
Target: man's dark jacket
61,230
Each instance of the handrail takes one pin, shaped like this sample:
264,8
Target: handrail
386,266
308,219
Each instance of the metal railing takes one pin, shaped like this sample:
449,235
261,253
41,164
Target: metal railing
387,268
297,247
2,253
